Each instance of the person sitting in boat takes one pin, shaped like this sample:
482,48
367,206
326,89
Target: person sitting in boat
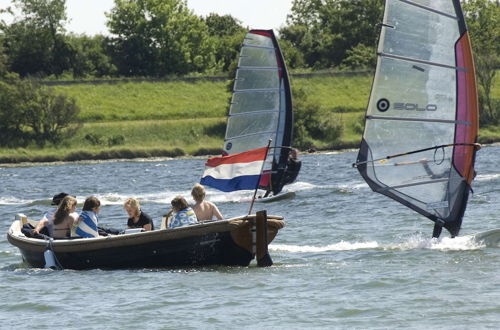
65,217
203,209
137,218
181,214
86,225
45,225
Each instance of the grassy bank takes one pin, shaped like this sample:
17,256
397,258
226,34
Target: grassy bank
145,119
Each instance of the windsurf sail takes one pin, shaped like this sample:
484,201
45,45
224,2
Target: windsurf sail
261,106
420,135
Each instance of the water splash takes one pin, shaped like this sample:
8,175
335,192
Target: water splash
341,246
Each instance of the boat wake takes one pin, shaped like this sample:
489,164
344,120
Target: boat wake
463,243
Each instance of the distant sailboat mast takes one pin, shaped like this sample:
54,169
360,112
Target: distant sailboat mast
420,136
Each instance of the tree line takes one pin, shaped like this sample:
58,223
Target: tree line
159,38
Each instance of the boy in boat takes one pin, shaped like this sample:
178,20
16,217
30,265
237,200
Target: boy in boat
203,209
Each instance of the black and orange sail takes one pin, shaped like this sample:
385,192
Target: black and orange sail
421,128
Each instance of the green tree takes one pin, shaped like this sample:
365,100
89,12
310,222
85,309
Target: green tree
35,42
325,30
226,34
30,112
158,37
483,21
91,56
11,119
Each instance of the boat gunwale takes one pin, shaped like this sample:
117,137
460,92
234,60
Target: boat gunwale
18,239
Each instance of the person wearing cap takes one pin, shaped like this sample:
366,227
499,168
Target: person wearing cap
45,225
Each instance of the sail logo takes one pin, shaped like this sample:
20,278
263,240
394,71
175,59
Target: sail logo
383,105
414,107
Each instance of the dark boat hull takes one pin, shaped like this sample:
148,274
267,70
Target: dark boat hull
226,243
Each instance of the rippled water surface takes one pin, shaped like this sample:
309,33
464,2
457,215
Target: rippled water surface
347,258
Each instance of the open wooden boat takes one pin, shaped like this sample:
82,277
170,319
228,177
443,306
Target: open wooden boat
233,242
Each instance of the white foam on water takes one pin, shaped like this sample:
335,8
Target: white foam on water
487,177
461,243
341,246
11,200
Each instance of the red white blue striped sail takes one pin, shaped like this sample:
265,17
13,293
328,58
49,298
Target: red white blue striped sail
240,171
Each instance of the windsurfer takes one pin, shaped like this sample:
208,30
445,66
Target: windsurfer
291,172
292,167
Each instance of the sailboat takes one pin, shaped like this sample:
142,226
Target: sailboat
261,108
420,136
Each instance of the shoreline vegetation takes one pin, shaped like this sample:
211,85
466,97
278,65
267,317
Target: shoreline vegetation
186,117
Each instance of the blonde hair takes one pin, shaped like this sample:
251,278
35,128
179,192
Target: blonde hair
64,209
133,204
198,192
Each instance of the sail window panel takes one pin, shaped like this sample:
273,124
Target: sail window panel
420,34
256,79
413,90
251,124
241,144
255,101
445,6
258,57
386,138
431,198
257,40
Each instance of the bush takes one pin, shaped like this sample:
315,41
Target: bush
31,112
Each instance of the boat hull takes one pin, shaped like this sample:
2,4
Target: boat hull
225,242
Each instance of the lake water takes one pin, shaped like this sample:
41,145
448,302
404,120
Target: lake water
348,258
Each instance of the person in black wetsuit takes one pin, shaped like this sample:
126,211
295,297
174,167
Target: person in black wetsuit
291,172
292,167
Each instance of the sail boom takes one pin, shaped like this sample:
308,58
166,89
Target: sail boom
411,59
429,9
445,121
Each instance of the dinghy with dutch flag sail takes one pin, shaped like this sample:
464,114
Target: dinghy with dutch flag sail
420,136
261,106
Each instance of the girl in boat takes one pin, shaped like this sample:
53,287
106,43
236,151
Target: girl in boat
64,217
137,218
181,214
